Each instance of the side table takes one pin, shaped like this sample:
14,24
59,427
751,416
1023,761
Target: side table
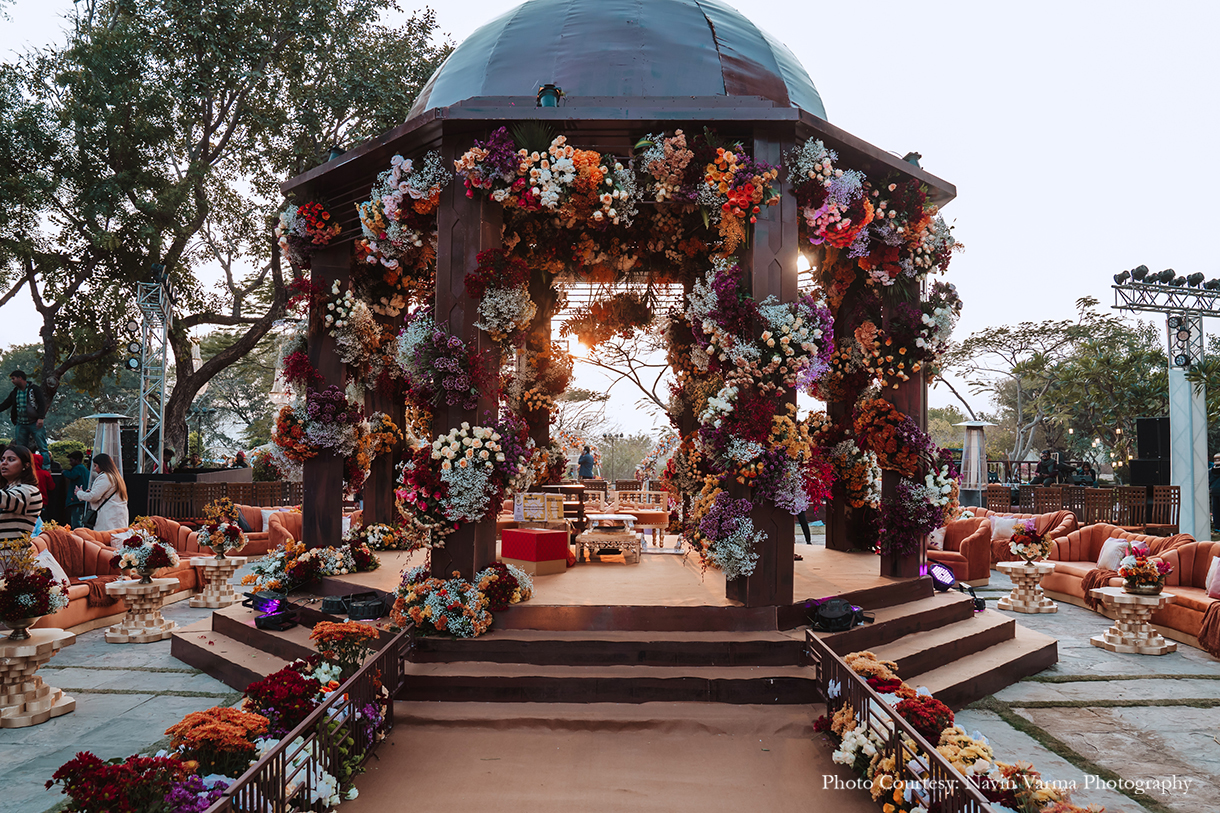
625,541
24,699
1026,595
143,623
1131,632
217,592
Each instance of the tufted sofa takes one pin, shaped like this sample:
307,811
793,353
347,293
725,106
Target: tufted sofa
1054,525
78,556
967,550
1188,583
189,578
1076,554
284,526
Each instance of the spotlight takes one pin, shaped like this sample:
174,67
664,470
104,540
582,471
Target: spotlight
912,158
1212,285
277,622
1178,282
548,95
1119,279
1181,360
1165,276
1174,322
1139,272
132,364
132,326
979,603
942,576
265,601
133,347
1195,280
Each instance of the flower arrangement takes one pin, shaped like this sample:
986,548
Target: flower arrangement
420,500
1140,569
449,606
1028,543
221,532
904,521
302,230
344,643
284,698
379,536
350,321
723,533
290,437
898,442
331,420
292,565
131,785
142,552
220,739
857,471
439,369
26,589
503,584
500,283
928,715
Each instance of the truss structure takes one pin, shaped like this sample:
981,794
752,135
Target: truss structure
1184,309
157,312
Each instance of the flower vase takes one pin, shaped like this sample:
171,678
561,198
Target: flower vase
1144,589
21,628
146,574
218,553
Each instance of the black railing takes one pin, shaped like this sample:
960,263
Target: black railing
916,761
334,735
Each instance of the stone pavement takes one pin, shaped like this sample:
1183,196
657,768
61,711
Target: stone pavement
126,696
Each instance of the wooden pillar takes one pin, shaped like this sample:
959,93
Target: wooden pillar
911,397
770,261
322,511
379,487
538,340
465,226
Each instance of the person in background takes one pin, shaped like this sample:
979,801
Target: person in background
167,462
1047,471
46,483
20,499
107,495
1086,476
27,408
586,462
196,461
77,476
239,461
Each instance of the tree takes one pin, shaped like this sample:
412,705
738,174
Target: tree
157,136
943,428
579,411
114,392
621,454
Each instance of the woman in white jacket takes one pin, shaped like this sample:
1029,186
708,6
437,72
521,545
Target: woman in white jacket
107,495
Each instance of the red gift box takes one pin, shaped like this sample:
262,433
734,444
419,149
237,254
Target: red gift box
535,551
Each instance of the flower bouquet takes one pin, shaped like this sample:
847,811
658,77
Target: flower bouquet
1028,543
1143,574
502,584
302,230
285,698
221,533
27,591
344,643
220,739
141,783
380,536
142,552
449,606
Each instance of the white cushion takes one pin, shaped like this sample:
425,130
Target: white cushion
346,524
1002,527
1112,552
267,512
936,539
1213,578
45,559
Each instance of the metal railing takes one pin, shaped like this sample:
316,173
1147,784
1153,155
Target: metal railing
285,778
916,761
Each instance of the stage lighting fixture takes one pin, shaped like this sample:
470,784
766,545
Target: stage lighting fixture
1212,285
132,364
1181,360
132,326
1165,276
265,601
1119,279
133,347
979,603
942,576
278,622
1178,282
1195,280
1139,272
335,152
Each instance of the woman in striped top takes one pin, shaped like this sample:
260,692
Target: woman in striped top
20,499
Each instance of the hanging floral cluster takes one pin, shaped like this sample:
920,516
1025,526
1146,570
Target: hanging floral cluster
858,474
302,230
374,437
619,314
540,377
349,320
724,534
500,284
439,369
448,606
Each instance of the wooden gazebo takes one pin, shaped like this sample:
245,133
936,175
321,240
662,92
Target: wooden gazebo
625,69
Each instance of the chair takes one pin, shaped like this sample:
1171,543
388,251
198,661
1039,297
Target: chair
1027,500
967,550
1048,499
1098,507
1166,511
999,499
1131,505
1073,499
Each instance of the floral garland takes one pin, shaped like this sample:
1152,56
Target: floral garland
450,606
438,367
302,230
500,284
292,565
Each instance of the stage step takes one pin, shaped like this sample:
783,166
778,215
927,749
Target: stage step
620,647
900,621
975,676
233,663
468,681
924,651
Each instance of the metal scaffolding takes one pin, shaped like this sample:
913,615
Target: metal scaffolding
156,308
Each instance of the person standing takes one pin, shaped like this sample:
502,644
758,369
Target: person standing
586,462
28,410
77,476
46,483
107,495
239,461
20,499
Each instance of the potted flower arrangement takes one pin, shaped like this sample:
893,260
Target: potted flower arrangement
344,643
221,532
142,552
1028,543
1143,574
27,591
448,606
221,740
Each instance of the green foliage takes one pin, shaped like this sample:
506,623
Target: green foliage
60,448
621,454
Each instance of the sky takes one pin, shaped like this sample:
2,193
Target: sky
1071,130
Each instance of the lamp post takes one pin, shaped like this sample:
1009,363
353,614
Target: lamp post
974,463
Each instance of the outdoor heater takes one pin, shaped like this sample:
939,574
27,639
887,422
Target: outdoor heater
974,464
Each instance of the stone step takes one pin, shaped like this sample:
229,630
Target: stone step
925,651
975,676
528,683
899,621
237,622
612,647
235,664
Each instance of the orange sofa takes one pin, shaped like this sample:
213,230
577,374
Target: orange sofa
189,578
966,550
1076,554
1188,583
78,556
1054,525
284,526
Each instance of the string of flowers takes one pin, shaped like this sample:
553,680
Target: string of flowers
500,284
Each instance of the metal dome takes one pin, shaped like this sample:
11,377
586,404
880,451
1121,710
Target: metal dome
622,48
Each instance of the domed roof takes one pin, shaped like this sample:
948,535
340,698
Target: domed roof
622,48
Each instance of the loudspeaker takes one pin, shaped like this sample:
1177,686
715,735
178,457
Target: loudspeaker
129,445
1149,472
1152,438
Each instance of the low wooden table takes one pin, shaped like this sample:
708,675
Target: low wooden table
217,592
626,541
1131,633
143,623
1026,595
24,699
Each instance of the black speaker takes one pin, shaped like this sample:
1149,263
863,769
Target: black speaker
1149,472
129,445
1152,438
